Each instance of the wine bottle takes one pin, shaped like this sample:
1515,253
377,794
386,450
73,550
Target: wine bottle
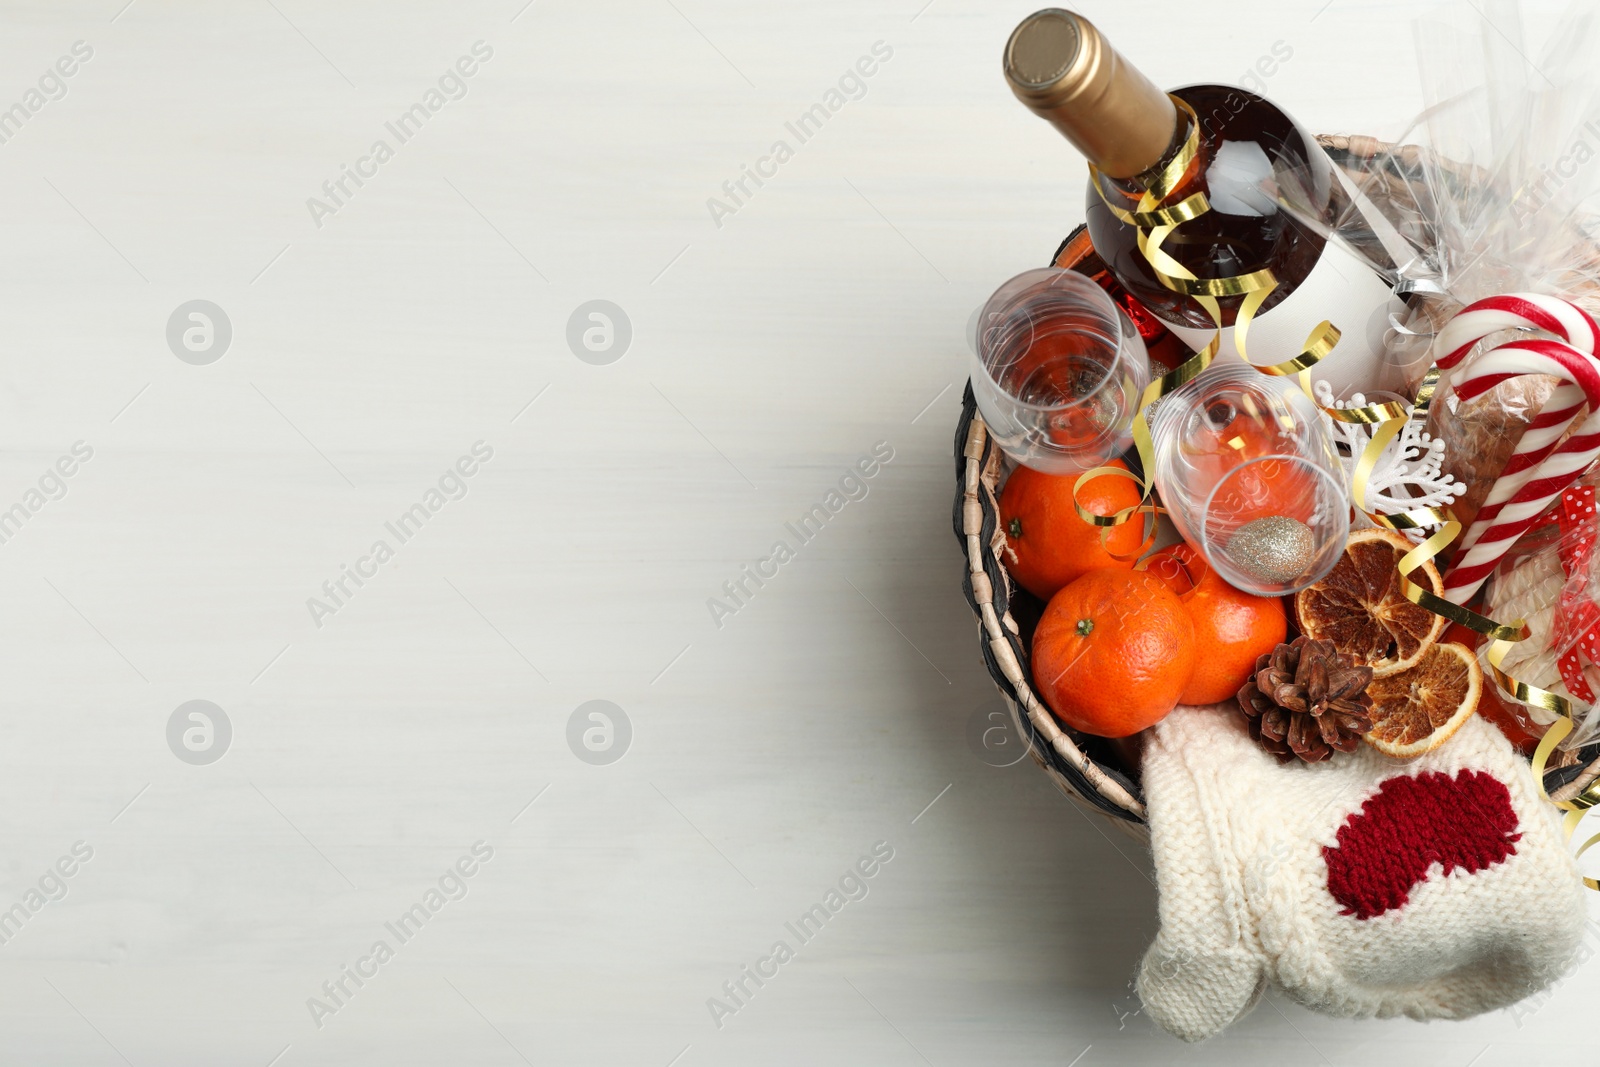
1059,65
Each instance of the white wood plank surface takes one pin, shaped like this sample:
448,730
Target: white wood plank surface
430,711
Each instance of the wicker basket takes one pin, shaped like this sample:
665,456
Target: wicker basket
1093,771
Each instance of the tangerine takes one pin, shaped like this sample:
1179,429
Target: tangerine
1048,544
1113,652
1234,628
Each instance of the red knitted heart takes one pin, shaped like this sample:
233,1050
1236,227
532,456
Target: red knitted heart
1412,823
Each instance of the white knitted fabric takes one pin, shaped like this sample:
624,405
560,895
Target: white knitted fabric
1244,881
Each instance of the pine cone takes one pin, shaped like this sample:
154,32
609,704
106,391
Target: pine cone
1305,700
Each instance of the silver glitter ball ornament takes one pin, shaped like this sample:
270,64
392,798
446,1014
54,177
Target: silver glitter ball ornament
1274,549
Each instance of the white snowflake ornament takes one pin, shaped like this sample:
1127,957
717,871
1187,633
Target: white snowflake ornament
1409,473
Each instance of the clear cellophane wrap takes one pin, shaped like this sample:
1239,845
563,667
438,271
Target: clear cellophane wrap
1551,580
1492,189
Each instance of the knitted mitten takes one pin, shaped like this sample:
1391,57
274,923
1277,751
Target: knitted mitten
1437,887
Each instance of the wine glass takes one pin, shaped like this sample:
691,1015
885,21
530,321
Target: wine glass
1060,369
1248,473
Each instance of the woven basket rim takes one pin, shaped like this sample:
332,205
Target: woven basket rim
989,591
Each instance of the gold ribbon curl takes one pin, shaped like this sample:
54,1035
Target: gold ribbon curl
1578,805
1155,224
1502,636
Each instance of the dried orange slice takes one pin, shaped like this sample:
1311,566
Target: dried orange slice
1361,608
1414,710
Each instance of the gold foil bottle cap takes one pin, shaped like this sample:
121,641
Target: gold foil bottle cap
1057,63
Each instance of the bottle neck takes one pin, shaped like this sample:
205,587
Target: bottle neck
1126,193
1059,65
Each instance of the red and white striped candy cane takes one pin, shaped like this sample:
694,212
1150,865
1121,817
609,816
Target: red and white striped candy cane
1514,311
1520,311
1539,469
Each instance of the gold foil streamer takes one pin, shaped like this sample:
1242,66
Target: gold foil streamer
1155,225
1501,635
1120,517
1578,805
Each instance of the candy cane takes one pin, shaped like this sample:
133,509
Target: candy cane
1542,465
1520,311
1514,311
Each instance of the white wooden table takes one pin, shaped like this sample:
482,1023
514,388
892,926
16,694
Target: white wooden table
379,335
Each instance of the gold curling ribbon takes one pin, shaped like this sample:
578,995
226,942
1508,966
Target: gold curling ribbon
1155,225
1501,635
1394,416
1558,731
1578,805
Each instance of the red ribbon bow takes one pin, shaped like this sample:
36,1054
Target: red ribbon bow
1577,623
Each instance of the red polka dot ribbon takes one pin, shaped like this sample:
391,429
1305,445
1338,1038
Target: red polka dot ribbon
1577,623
